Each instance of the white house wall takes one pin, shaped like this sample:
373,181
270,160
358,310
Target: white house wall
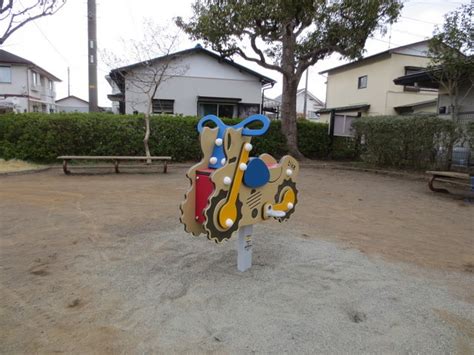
71,104
311,105
18,86
204,76
417,49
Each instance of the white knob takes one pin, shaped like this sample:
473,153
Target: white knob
229,222
227,180
213,160
223,161
274,213
219,141
248,147
243,166
289,172
290,205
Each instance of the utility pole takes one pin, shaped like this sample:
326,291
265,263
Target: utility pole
305,94
92,57
68,82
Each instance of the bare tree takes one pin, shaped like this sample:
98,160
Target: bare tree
153,63
14,14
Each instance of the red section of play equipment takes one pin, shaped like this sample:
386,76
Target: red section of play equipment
204,188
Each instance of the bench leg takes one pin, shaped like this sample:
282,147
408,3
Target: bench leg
435,189
165,167
66,172
116,165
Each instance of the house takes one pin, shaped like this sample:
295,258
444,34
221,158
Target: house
271,108
465,92
366,87
72,103
24,86
313,104
201,83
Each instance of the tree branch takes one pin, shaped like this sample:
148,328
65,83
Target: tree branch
264,64
18,19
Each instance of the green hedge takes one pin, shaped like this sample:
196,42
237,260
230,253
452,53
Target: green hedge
404,142
42,137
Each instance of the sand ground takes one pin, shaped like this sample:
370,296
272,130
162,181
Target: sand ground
100,264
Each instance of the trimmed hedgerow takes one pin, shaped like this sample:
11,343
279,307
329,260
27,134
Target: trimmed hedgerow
405,142
42,137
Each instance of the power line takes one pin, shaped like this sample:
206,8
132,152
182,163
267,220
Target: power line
47,39
417,20
410,33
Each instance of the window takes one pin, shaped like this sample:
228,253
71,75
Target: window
220,110
163,106
35,78
5,74
362,82
50,85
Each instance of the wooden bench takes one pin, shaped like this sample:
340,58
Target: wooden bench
459,179
115,159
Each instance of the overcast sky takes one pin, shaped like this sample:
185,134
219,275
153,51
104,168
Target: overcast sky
60,41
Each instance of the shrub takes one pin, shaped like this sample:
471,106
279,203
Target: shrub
344,148
42,137
400,141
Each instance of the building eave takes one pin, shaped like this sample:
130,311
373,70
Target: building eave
198,49
351,108
376,56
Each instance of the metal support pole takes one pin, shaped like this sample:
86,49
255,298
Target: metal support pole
244,248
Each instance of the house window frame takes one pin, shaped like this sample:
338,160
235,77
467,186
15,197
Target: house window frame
234,103
9,72
167,107
360,82
35,79
218,108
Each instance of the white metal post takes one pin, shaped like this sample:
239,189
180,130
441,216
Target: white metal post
244,248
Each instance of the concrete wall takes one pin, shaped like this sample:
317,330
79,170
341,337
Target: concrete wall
200,75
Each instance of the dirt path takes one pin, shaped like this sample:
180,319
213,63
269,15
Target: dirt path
100,264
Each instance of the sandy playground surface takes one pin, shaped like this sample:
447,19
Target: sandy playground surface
367,264
13,165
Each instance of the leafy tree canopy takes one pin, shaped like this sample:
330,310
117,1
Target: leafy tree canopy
319,27
452,57
452,45
288,36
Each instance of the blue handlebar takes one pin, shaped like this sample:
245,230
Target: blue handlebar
246,131
218,151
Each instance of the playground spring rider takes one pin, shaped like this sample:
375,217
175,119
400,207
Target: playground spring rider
230,190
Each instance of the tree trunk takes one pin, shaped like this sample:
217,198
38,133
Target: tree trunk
288,116
147,132
290,87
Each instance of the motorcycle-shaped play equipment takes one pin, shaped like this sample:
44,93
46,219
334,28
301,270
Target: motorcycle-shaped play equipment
229,189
